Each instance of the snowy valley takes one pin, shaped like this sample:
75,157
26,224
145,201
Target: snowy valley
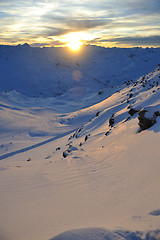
79,140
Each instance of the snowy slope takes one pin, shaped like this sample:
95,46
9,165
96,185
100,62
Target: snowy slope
103,234
81,162
52,71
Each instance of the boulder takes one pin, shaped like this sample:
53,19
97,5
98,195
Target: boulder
111,122
145,122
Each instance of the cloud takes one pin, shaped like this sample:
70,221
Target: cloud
109,19
135,40
5,15
131,7
73,24
52,31
85,24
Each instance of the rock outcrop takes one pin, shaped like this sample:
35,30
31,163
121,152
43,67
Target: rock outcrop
132,111
146,122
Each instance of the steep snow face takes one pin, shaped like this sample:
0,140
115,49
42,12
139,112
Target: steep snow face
71,162
53,71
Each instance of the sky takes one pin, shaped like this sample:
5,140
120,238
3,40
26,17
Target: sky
107,23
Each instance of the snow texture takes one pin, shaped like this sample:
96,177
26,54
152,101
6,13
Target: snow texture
72,153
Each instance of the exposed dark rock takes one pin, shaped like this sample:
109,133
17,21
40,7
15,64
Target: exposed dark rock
65,154
70,138
145,122
126,119
79,130
111,121
132,111
58,148
100,92
71,149
157,113
86,138
97,114
107,133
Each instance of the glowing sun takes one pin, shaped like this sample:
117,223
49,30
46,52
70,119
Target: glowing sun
74,44
74,41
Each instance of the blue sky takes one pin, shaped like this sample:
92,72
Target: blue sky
107,23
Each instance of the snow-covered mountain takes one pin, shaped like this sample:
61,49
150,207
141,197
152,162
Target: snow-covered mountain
53,71
86,159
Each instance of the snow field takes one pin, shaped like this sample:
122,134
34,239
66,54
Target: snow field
109,175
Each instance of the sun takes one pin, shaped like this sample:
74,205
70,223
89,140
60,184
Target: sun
74,41
74,44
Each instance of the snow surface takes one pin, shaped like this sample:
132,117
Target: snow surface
62,166
53,71
103,234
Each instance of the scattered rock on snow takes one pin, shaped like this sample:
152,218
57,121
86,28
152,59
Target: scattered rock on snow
97,114
107,133
58,148
100,92
86,138
111,121
132,111
65,154
71,149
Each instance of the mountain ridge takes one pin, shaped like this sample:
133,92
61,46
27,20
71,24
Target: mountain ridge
49,72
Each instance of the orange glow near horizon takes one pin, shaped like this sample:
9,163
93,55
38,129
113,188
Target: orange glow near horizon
74,40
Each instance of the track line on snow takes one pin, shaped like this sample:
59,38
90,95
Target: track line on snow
26,149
